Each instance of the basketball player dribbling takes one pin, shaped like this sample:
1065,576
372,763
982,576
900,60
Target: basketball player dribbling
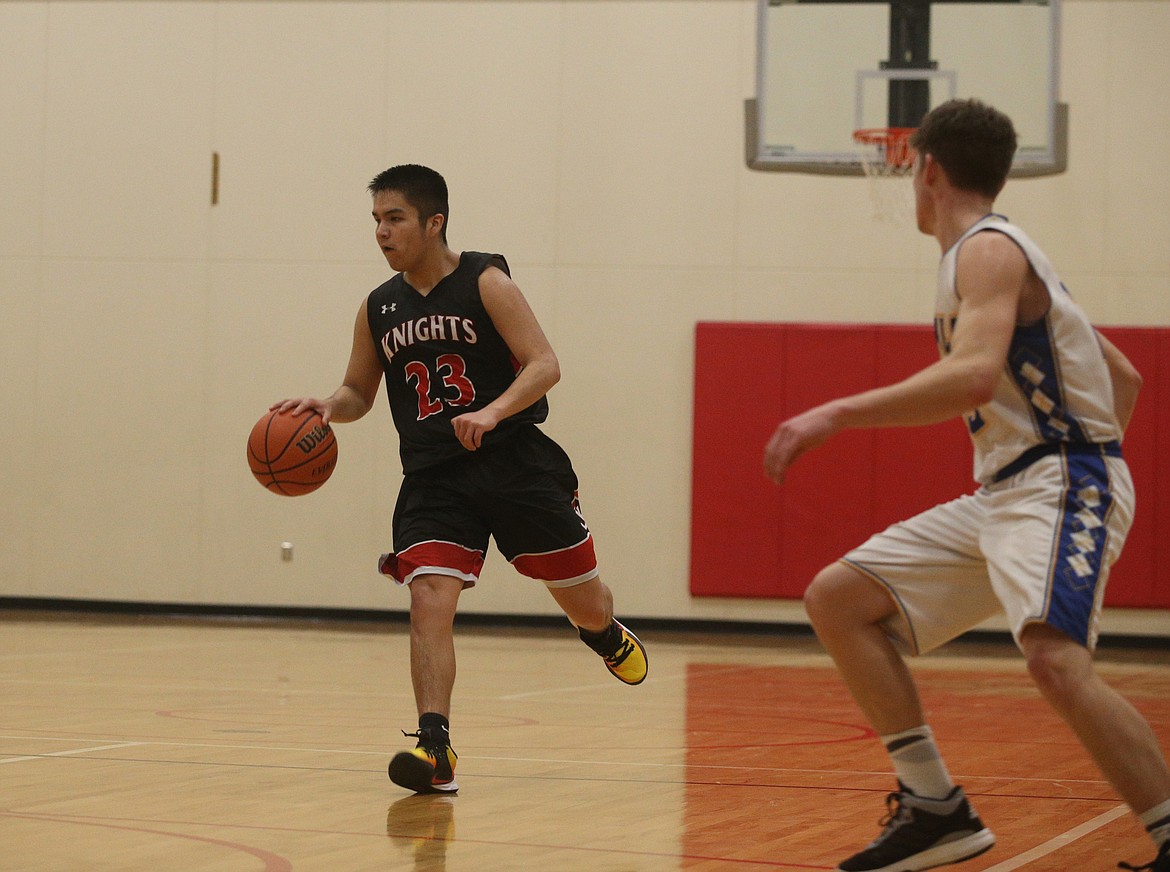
1046,399
466,367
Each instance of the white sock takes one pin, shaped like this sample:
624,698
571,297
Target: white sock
918,764
1157,821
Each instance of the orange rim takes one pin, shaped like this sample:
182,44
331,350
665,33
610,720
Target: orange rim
893,141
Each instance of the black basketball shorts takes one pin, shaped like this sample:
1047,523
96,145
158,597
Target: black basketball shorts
521,493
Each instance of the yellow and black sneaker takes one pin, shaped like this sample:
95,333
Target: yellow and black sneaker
429,768
623,652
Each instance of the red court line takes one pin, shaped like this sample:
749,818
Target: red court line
272,862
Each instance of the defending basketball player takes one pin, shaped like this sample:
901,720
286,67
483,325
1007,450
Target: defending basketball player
1046,400
466,367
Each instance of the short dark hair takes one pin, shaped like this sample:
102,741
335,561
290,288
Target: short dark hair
974,144
423,188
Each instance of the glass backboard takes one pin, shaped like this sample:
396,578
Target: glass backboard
829,68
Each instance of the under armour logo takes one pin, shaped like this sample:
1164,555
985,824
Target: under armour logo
389,308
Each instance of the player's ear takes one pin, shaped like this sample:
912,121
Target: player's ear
930,168
434,224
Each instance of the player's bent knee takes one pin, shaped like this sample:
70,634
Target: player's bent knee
841,596
1051,676
1058,665
828,590
434,595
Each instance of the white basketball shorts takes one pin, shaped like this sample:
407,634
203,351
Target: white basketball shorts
1037,546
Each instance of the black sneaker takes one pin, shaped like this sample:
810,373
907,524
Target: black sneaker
1161,863
923,833
429,768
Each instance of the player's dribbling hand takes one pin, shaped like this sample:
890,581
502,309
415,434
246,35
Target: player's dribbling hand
300,405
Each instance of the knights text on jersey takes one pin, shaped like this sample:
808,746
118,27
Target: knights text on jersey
442,357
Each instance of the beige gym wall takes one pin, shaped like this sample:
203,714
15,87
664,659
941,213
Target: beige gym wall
597,143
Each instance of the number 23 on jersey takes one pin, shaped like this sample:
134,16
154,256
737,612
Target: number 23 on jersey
449,375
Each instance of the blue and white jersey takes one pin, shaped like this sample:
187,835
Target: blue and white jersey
1055,387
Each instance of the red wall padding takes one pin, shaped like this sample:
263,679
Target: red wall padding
750,538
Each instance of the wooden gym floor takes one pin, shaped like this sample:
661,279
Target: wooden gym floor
153,744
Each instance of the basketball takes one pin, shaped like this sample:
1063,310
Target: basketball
291,455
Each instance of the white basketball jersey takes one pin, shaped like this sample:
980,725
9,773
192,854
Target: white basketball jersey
1055,386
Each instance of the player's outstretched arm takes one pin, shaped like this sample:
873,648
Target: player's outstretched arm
992,276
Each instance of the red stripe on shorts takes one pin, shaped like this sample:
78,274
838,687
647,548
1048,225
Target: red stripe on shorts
562,565
457,560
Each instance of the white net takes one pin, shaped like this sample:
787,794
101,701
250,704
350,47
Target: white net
888,163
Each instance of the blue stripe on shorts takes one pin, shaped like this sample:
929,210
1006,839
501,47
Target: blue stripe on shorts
1076,570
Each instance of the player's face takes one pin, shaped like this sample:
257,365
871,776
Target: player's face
401,237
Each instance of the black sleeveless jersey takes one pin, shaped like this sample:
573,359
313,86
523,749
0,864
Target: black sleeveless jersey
443,357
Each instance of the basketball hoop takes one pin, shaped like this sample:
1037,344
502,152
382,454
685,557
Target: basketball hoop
890,147
888,163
